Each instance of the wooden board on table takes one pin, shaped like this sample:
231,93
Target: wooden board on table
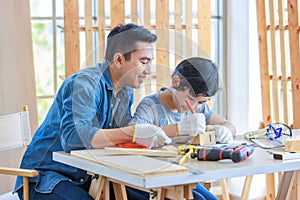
144,152
292,144
134,164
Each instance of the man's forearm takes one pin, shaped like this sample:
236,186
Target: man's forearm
110,137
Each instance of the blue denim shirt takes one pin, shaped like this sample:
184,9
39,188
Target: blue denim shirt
83,105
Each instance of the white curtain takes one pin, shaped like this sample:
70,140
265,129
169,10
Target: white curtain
17,84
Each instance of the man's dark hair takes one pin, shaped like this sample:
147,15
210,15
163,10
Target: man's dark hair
122,39
198,74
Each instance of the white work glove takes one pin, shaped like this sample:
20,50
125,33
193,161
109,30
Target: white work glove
223,134
192,125
150,135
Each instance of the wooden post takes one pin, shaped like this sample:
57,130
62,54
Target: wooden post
162,44
89,55
295,59
71,31
117,14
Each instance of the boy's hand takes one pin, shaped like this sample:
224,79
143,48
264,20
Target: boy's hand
150,135
223,134
192,125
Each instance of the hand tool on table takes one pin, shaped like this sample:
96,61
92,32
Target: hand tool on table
186,151
237,154
283,155
131,145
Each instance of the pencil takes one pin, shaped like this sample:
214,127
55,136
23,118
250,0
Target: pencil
189,106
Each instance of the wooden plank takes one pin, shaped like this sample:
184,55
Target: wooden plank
175,192
189,28
162,44
274,82
117,12
147,25
246,189
285,92
292,144
134,11
120,191
295,59
134,164
204,28
294,194
188,194
147,13
263,59
270,187
144,152
89,57
225,192
106,190
71,31
101,30
178,31
286,185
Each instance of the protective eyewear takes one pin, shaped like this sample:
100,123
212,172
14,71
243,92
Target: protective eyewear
276,130
272,136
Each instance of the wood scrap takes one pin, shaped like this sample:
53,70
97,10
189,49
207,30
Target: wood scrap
134,164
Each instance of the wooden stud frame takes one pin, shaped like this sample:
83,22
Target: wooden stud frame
278,34
97,24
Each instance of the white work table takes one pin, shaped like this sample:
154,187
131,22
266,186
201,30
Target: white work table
260,162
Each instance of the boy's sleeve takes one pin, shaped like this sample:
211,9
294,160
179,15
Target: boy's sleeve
206,110
145,113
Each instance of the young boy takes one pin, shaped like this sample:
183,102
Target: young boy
194,80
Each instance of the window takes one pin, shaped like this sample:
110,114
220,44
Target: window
48,46
48,50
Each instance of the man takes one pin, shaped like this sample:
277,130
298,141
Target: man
88,111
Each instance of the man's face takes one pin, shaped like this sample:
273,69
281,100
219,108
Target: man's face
136,69
179,98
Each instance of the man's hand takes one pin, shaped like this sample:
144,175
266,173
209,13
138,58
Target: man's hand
192,125
150,135
223,134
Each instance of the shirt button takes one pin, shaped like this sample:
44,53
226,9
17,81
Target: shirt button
109,124
112,105
81,180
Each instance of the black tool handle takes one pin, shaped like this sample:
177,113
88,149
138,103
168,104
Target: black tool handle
213,154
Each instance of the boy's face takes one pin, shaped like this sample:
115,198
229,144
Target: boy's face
179,98
136,69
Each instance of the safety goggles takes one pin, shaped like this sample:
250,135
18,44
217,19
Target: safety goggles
276,130
272,136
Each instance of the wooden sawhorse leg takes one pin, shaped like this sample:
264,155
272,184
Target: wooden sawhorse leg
289,185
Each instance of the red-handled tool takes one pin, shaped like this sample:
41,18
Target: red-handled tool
237,154
131,145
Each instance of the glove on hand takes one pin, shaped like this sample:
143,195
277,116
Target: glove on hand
192,125
223,134
150,135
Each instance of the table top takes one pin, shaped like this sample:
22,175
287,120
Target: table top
260,162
